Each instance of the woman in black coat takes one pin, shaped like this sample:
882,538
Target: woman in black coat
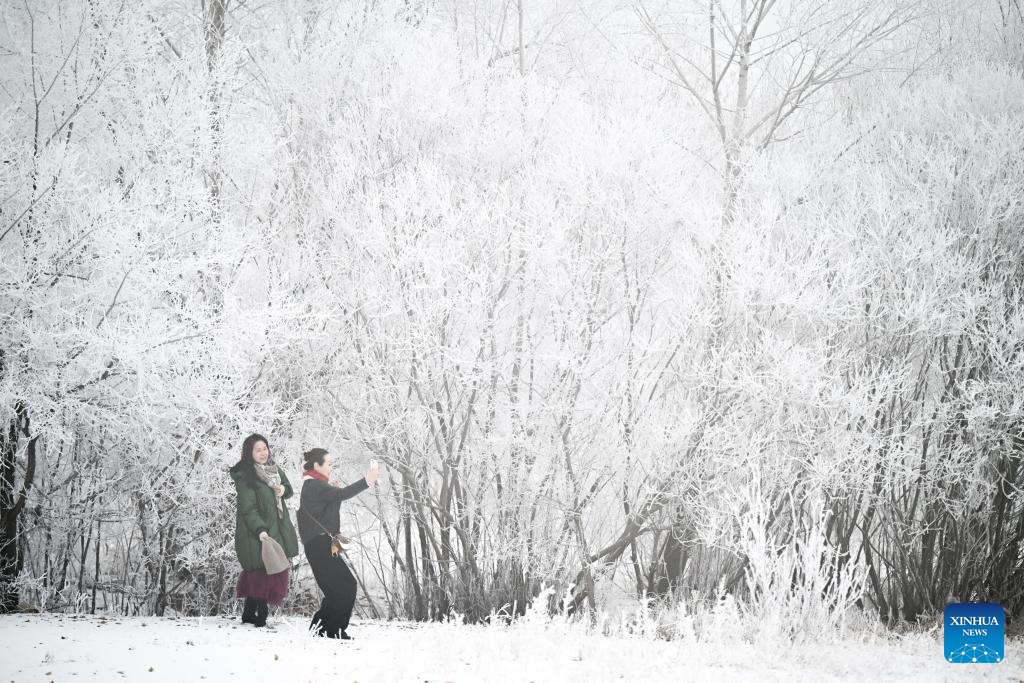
319,523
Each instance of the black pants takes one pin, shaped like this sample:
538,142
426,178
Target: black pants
338,585
255,612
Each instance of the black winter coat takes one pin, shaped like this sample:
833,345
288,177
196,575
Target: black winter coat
319,507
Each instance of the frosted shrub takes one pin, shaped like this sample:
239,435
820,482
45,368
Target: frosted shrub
537,611
501,617
685,624
723,623
643,622
798,585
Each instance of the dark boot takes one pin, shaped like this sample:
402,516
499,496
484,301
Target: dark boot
249,611
262,610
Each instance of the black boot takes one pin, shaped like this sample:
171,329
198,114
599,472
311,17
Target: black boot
261,614
249,611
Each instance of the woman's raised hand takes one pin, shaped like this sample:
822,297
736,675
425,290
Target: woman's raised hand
278,490
373,472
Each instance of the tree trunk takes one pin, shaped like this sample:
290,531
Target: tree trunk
96,574
215,30
12,501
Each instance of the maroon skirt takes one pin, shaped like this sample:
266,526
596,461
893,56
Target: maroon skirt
255,583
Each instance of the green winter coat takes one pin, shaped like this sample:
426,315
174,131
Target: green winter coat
256,512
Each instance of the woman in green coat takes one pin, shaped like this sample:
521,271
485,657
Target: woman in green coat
262,514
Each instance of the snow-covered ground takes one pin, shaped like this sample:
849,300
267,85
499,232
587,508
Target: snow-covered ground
94,648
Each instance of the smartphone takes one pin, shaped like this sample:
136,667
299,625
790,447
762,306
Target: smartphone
374,465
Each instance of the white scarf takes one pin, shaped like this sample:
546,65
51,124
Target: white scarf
271,476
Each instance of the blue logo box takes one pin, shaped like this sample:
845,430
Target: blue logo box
974,633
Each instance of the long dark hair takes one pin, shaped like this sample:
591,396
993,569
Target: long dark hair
247,464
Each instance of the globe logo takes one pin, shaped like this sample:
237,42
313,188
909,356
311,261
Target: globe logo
972,654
